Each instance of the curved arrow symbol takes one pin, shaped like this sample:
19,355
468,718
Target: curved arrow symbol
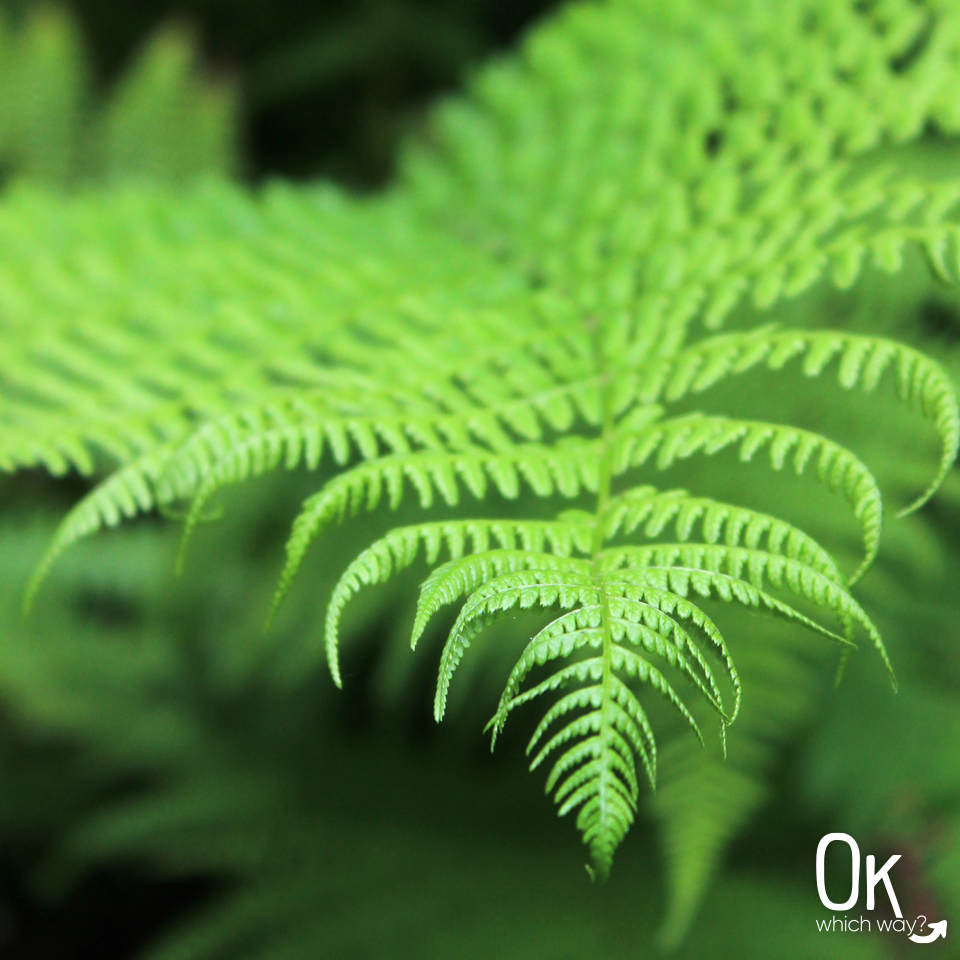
938,929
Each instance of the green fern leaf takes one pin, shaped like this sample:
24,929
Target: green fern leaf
567,470
837,467
739,526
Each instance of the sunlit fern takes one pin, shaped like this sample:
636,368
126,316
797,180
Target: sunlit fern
528,313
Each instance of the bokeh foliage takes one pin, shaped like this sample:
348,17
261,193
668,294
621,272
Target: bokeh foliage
330,86
161,119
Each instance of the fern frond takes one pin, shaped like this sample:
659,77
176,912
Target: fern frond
122,495
718,569
567,469
583,626
862,362
233,450
295,432
739,526
597,772
459,578
355,418
401,547
837,467
567,584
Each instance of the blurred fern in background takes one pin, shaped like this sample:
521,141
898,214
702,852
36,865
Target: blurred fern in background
162,119
632,165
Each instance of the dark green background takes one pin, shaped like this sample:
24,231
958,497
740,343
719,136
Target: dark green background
328,85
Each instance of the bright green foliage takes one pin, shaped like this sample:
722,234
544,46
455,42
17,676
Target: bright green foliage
162,120
527,317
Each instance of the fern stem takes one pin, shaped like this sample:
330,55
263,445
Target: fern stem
602,858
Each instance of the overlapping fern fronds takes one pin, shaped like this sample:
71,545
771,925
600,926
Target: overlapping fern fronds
530,313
